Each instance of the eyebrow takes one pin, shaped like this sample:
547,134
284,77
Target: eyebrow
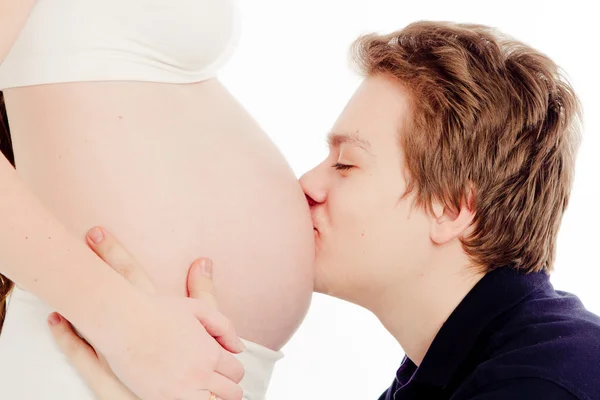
337,139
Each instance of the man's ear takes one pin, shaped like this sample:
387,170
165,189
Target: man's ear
448,224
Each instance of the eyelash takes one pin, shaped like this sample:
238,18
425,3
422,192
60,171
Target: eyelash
342,167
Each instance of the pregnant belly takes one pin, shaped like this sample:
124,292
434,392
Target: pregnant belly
174,184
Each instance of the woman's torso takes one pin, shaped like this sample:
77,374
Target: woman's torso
175,171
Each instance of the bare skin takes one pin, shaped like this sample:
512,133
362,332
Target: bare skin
369,243
175,170
91,364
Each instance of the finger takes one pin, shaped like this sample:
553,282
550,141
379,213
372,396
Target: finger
230,367
223,388
69,343
206,395
97,374
199,282
114,254
78,351
217,325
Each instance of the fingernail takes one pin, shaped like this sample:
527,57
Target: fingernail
242,347
206,265
96,235
53,319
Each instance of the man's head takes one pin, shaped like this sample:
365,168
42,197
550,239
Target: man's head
462,144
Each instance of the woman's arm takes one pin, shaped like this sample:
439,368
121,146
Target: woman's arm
156,345
41,256
36,251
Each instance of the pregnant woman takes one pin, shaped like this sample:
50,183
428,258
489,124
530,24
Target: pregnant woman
117,119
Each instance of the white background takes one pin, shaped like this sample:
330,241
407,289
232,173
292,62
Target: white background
291,72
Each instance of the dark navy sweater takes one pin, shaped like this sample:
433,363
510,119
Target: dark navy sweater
513,337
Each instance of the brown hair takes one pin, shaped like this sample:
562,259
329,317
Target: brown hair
6,146
490,115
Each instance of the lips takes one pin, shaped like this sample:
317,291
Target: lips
315,221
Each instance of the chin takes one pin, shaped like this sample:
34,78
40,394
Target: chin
327,280
322,279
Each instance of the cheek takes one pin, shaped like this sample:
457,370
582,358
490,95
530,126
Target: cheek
402,239
359,234
387,228
354,204
364,212
352,221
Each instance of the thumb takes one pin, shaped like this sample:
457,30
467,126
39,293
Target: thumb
200,284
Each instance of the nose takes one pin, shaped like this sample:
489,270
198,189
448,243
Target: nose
314,186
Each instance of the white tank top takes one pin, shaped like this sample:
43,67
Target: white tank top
174,41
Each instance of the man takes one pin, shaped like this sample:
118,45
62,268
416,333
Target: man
438,209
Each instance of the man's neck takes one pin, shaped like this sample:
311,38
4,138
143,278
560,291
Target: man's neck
413,311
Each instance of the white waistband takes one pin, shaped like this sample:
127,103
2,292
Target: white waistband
259,363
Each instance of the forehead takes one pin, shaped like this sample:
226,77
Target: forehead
376,113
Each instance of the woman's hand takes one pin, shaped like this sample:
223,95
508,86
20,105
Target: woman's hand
226,370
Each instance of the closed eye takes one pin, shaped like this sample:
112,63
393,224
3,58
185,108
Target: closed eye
342,167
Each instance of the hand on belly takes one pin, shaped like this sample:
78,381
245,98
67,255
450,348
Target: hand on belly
221,374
